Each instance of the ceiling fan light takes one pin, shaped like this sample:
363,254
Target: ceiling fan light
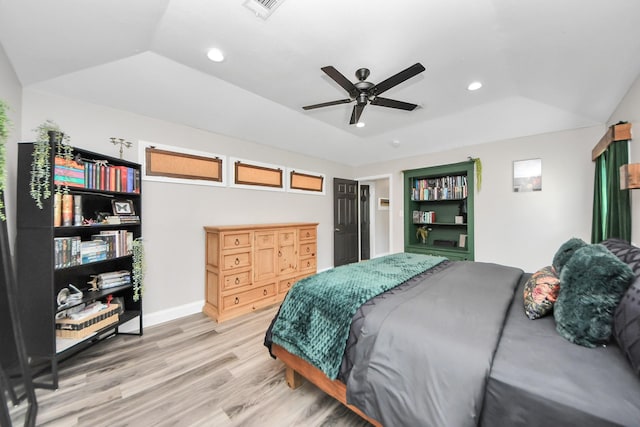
215,55
474,86
360,124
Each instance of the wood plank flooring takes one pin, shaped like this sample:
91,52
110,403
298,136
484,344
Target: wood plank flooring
188,372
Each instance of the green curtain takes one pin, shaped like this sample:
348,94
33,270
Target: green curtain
611,206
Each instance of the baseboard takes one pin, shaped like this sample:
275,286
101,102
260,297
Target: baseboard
157,317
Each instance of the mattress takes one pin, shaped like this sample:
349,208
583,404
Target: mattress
540,379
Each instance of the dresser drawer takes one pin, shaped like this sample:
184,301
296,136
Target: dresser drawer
248,297
286,284
239,260
308,264
236,240
308,233
287,237
307,250
236,280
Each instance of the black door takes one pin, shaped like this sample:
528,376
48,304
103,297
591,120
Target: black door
365,252
345,221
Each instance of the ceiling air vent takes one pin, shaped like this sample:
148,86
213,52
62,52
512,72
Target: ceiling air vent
262,8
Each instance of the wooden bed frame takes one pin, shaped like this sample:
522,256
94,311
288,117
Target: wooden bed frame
298,369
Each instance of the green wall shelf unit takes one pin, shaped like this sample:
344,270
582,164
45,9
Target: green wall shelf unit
439,199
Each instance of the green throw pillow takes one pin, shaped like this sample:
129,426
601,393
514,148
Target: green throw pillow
566,250
592,284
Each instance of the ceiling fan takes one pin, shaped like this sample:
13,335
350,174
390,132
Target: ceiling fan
364,92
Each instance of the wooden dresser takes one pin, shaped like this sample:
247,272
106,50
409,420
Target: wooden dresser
252,266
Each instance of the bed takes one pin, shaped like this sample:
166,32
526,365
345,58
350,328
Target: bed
451,345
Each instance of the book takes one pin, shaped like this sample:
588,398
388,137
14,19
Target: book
77,210
67,210
57,210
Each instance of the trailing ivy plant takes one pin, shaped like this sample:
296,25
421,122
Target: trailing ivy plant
5,124
138,269
40,187
478,164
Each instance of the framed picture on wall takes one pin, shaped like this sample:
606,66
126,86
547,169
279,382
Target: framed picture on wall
383,203
527,175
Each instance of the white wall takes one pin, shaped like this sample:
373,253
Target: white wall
629,111
174,214
519,229
11,94
382,219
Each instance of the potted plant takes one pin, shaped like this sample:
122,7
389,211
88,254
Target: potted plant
47,133
4,135
138,269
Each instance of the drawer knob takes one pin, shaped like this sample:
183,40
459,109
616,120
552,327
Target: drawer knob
288,284
308,264
308,234
279,253
236,301
308,249
237,280
237,242
264,292
237,261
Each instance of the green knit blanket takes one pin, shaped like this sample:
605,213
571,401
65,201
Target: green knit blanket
314,319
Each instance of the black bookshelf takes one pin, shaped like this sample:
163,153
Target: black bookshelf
39,282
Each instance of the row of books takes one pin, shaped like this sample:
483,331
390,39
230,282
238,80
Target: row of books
96,176
442,188
424,217
72,251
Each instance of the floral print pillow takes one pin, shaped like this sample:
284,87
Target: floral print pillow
541,292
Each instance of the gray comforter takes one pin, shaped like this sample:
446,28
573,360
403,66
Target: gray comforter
418,359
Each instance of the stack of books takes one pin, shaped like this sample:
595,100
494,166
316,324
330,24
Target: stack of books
113,279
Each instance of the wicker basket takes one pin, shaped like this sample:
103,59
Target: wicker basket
77,329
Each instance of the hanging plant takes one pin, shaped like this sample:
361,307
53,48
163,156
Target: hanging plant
478,165
46,133
138,269
5,123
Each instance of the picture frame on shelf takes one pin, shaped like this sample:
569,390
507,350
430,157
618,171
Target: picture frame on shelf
123,207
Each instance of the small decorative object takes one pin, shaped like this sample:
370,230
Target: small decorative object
123,207
4,135
121,142
422,233
137,272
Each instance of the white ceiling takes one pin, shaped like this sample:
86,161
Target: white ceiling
546,65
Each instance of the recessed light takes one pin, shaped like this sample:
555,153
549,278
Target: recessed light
215,55
474,86
395,143
360,124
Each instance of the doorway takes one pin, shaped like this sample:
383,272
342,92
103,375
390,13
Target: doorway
380,206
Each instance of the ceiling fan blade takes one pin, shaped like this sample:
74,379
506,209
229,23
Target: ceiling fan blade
327,104
392,103
356,113
396,79
341,80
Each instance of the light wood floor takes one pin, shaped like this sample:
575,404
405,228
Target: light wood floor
188,372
